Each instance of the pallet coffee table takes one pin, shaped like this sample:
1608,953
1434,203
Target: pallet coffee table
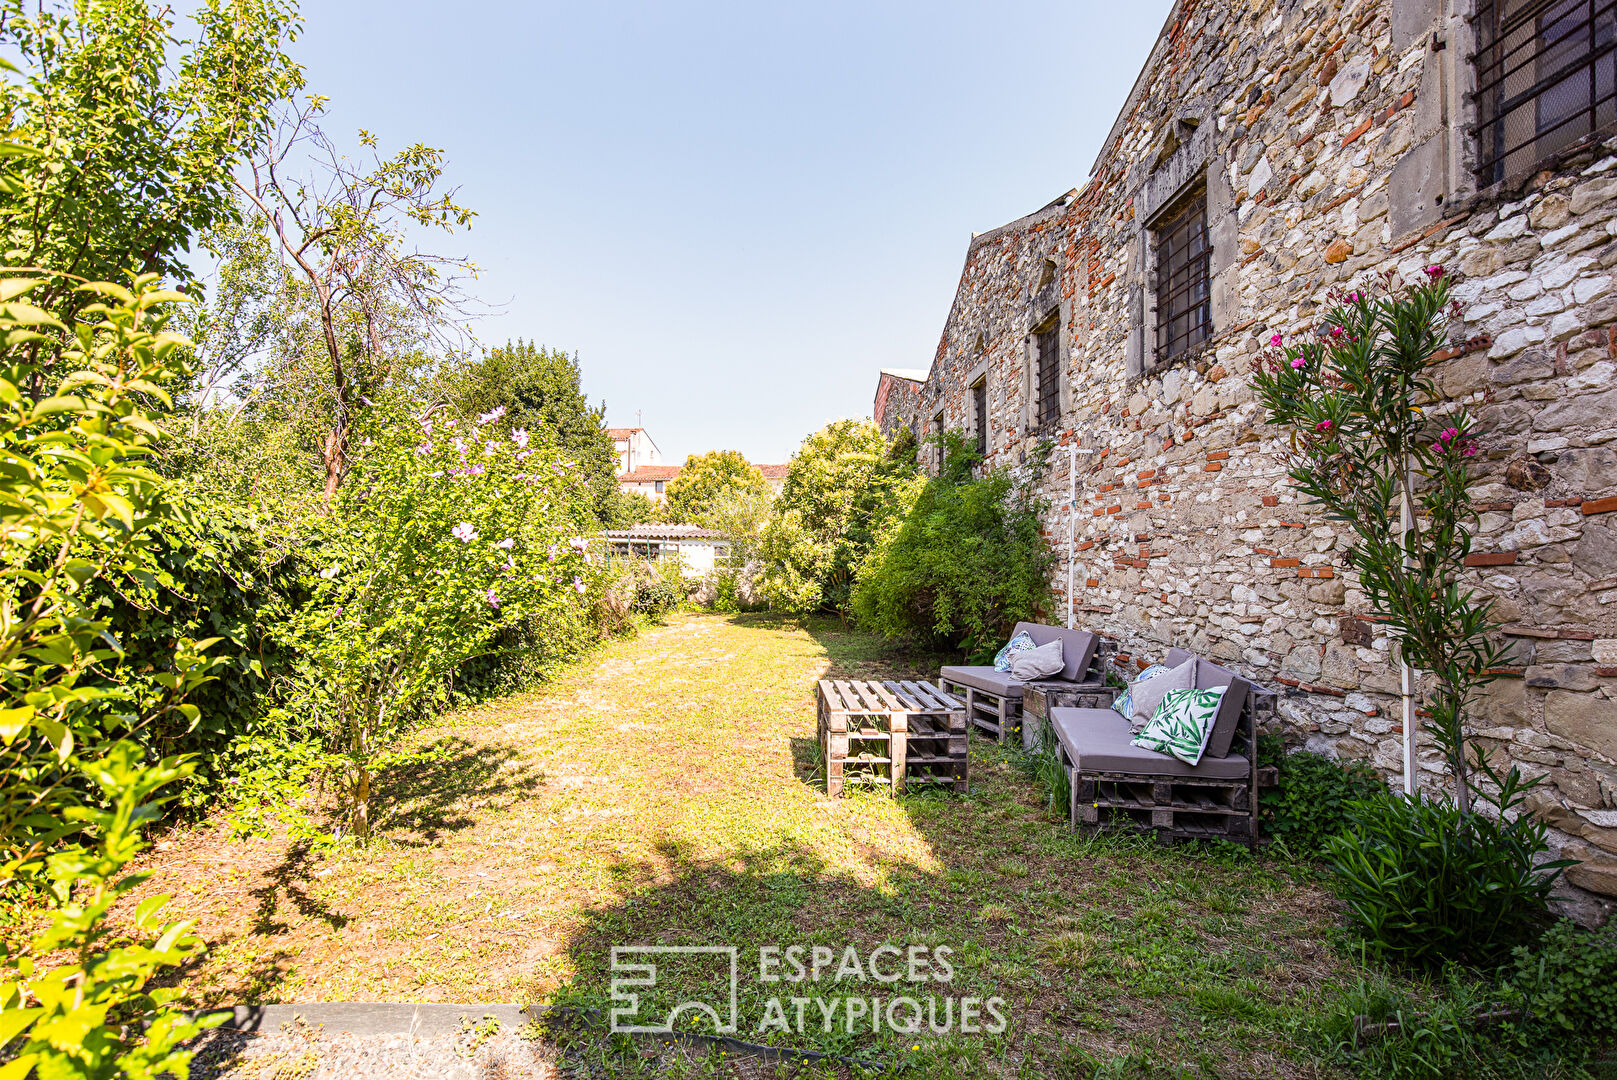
893,733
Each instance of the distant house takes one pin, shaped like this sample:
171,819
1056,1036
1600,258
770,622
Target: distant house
640,467
634,448
649,480
698,550
776,475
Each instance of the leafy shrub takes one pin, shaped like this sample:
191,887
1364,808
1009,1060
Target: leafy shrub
847,487
1311,803
81,506
1569,982
1426,882
965,565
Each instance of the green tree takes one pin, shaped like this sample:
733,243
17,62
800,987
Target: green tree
132,136
372,309
625,509
540,387
967,562
692,494
846,484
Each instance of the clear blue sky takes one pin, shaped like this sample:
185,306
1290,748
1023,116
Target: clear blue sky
734,213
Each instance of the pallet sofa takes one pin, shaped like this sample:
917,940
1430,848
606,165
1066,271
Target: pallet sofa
994,699
1118,786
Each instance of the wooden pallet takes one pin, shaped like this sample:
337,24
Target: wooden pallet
891,733
1174,808
1178,808
1039,697
999,716
936,750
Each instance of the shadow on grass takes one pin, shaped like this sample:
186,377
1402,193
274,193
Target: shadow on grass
431,795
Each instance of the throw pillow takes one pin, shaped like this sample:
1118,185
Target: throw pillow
1020,643
1125,702
1148,695
1181,724
1037,663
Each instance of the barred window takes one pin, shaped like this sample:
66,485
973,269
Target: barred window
979,411
1184,278
1047,343
1546,78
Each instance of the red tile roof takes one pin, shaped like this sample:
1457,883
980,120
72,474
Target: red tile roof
650,472
774,472
622,432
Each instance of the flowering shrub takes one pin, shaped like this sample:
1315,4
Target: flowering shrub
1426,880
1361,440
444,538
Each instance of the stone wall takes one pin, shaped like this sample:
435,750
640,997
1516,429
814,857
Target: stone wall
1331,140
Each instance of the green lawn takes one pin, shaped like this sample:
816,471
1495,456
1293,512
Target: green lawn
667,793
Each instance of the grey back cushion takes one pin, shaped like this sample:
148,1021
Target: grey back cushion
1039,662
1077,646
1208,676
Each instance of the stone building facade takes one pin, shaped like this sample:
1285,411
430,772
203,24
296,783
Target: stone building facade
1270,151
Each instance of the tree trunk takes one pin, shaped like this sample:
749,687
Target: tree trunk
360,817
333,455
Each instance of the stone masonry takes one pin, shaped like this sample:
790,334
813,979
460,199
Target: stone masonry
1333,140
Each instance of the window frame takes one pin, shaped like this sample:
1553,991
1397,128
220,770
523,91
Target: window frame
1186,219
1498,59
979,414
1047,370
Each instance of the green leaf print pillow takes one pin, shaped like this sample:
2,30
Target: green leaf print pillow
1182,723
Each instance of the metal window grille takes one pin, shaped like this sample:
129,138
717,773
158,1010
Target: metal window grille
1184,280
1048,345
979,410
1546,78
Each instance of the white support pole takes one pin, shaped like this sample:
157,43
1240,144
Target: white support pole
1072,525
1406,521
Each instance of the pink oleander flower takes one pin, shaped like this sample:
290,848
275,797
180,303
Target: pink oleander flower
1297,364
1275,341
578,583
1470,450
1434,272
1323,425
1338,331
493,600
464,532
1353,297
520,437
484,419
506,544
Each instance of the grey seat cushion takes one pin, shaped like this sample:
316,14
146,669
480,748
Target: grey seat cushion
1097,740
1208,676
1077,647
984,678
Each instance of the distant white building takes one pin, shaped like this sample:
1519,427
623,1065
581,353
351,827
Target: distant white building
634,448
641,468
699,550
